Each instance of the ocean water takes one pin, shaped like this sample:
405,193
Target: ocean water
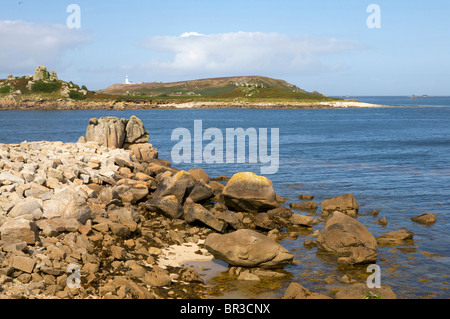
395,160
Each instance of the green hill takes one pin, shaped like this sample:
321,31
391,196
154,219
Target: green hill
44,84
254,88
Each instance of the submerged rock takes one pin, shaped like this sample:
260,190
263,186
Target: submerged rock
360,291
310,206
346,204
425,219
396,237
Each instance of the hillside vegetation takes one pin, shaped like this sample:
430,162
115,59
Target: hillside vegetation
241,88
45,87
42,84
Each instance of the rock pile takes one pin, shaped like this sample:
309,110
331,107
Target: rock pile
113,132
94,219
106,215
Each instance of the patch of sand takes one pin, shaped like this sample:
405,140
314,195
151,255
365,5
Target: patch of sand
177,255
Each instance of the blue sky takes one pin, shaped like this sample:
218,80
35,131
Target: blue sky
319,45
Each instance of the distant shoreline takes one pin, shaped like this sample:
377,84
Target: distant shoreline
133,105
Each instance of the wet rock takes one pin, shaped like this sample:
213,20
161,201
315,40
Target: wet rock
374,212
282,212
304,206
396,237
361,291
305,197
264,221
302,220
248,248
247,191
382,221
248,276
189,274
346,204
297,291
348,239
425,219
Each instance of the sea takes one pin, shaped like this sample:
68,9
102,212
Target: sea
393,159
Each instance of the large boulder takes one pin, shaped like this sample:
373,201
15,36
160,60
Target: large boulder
310,206
247,191
107,131
248,248
41,73
348,239
135,131
129,134
344,203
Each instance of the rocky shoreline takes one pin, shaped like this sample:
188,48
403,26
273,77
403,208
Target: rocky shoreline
106,218
37,103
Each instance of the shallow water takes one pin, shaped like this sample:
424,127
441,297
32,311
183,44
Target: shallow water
395,160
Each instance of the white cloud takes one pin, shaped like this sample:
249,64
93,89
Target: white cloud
244,53
26,45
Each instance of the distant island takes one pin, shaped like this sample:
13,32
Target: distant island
43,90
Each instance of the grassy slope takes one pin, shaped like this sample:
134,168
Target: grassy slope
256,89
227,89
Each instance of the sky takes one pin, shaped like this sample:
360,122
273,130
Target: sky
338,48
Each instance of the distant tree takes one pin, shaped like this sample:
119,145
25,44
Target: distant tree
76,95
45,87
